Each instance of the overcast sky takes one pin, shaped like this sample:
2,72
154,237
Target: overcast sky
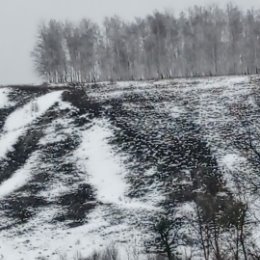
19,20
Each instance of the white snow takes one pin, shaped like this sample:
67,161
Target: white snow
232,161
57,131
7,252
176,111
55,241
16,123
104,170
7,140
31,111
4,100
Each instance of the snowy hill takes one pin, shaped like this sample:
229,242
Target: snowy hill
84,167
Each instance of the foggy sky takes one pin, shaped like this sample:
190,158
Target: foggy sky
19,20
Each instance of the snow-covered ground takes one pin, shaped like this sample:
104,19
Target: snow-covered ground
103,169
17,122
4,100
19,178
99,168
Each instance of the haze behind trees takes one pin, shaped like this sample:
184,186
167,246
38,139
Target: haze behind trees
204,41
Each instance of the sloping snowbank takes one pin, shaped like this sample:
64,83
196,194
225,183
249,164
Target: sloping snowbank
20,177
16,123
104,170
31,111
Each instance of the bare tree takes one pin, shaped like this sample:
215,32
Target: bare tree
167,238
203,41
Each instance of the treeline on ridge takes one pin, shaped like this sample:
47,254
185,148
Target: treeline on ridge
203,41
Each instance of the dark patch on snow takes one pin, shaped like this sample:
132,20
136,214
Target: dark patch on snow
76,205
22,207
87,108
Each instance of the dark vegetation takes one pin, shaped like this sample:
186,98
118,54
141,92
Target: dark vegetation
76,206
188,173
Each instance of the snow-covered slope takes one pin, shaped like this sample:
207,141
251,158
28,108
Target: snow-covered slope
84,167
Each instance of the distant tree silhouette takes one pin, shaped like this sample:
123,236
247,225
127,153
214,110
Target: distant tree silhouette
204,41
